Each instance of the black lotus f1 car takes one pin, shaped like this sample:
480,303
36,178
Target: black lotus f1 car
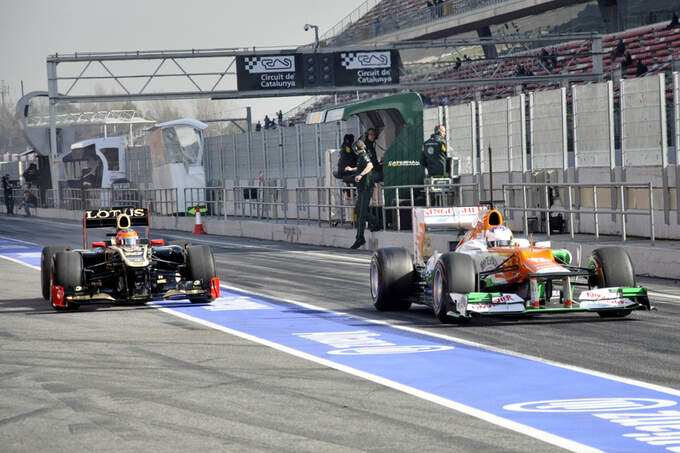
126,268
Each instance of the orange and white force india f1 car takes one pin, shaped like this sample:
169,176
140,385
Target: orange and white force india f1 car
492,273
126,268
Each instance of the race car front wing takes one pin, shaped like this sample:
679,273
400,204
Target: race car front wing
592,300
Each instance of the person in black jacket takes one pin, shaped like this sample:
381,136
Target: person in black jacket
433,156
8,194
371,137
347,159
31,175
364,179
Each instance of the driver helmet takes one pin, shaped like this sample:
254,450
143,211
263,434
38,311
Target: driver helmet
127,238
499,236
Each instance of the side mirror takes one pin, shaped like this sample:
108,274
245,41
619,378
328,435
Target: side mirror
98,244
157,241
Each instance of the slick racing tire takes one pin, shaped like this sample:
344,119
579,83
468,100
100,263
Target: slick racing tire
392,277
46,260
454,273
201,266
68,273
613,267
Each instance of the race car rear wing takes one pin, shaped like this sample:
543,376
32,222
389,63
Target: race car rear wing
458,218
118,218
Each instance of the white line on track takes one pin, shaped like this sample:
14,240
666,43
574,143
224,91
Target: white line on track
657,294
454,338
486,416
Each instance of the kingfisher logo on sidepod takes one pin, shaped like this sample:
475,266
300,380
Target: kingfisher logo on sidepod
590,405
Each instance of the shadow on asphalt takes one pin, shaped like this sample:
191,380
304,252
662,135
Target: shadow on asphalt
38,306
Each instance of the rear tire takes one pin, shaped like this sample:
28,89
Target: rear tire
46,260
201,266
454,273
392,277
68,273
613,267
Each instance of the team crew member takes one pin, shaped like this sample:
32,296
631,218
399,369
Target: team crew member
433,156
364,180
371,137
347,158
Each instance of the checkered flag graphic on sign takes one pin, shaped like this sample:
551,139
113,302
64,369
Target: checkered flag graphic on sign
346,59
251,62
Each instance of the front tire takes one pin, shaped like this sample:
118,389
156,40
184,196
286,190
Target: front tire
46,261
613,268
392,277
454,273
201,266
68,273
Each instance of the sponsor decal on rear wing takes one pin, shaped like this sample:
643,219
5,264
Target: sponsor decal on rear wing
102,218
451,218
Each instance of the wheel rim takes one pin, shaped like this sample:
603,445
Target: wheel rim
375,279
437,289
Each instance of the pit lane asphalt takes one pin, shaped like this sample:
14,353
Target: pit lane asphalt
123,378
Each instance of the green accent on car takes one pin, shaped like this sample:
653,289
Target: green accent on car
563,255
556,309
541,290
633,291
479,298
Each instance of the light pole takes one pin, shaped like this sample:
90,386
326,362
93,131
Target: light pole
316,34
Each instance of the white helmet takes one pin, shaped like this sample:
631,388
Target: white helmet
499,236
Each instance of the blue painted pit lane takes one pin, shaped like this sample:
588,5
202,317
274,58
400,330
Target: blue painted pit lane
572,408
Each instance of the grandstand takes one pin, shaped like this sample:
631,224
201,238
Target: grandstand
383,19
654,45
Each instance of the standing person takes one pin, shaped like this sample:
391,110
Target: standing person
31,175
434,156
371,137
7,193
640,69
347,159
364,180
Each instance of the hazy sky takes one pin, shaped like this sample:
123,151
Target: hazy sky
32,29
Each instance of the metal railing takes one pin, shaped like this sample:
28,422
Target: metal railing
259,201
618,192
428,195
334,205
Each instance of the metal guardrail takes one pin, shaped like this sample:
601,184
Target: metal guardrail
259,201
618,196
435,195
334,205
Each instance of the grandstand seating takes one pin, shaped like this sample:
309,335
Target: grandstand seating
399,14
654,45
